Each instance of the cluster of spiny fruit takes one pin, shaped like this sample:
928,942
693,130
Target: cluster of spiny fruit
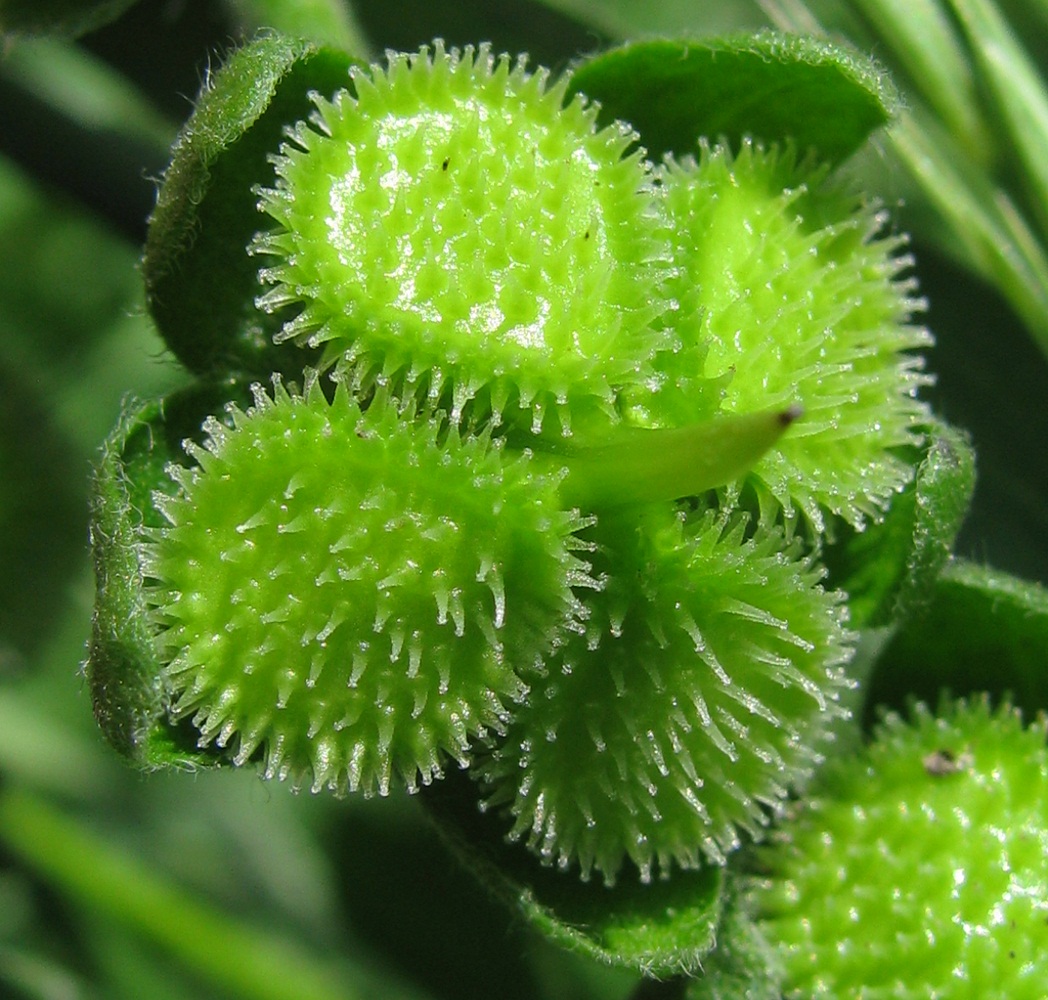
537,510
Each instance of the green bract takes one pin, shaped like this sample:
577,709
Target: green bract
697,697
355,594
451,223
919,870
789,293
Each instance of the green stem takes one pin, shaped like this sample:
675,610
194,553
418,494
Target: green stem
644,466
233,956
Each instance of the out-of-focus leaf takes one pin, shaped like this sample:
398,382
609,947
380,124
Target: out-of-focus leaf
58,17
661,929
889,569
771,87
87,90
247,960
71,323
35,976
323,22
984,631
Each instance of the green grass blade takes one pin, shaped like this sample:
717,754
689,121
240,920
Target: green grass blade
239,958
926,44
991,233
1018,90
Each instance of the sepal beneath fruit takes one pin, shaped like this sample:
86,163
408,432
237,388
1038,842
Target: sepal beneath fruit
889,569
123,666
661,929
200,282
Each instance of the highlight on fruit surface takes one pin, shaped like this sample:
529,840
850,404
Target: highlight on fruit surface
450,223
355,596
699,695
919,868
789,291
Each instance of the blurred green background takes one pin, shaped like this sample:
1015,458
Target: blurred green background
359,895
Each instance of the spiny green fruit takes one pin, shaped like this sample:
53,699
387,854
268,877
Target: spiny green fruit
790,293
921,867
697,697
451,223
355,593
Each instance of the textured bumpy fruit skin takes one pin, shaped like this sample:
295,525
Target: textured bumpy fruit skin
919,869
451,223
788,294
355,595
699,695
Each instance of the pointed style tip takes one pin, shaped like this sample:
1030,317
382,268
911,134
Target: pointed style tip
791,414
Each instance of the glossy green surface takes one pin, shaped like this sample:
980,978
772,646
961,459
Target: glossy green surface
450,221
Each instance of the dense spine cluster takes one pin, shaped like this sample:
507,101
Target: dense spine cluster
917,869
359,585
453,225
789,293
359,594
698,695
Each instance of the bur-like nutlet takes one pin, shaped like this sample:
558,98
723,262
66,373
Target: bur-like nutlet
790,292
919,868
448,223
699,695
355,596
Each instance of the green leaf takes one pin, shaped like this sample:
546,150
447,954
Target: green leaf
123,668
201,284
984,631
889,569
772,87
660,929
